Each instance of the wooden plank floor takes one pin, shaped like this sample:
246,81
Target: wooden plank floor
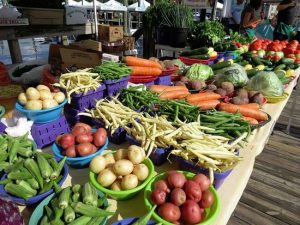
272,195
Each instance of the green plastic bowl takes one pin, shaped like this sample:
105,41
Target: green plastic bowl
124,195
210,213
38,212
2,111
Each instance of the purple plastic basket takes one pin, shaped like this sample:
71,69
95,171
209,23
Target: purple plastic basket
148,84
189,166
2,128
45,133
114,86
86,101
163,80
158,156
118,137
221,54
72,116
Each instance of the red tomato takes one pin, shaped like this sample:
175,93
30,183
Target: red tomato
294,42
297,61
288,51
297,52
292,56
276,58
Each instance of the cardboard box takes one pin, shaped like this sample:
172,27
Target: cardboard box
76,15
89,44
110,33
39,16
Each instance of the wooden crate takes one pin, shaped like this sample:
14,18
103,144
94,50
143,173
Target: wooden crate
110,33
38,16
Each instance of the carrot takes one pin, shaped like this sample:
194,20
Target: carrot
145,71
203,96
250,120
251,106
205,105
256,114
174,94
162,88
134,61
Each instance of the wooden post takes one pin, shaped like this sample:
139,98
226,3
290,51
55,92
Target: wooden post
15,51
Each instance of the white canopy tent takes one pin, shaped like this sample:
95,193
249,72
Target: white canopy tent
136,8
113,5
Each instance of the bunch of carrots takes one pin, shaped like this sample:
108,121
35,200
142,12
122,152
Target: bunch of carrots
143,67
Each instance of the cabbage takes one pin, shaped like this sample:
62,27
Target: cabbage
267,83
199,72
235,74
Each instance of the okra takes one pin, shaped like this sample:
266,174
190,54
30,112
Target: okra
13,151
45,155
53,163
89,210
54,202
100,202
33,183
5,181
44,220
26,185
3,165
3,157
57,188
49,212
19,175
96,221
58,213
14,167
69,214
144,219
47,186
3,147
26,144
76,188
75,197
64,198
59,168
83,220
19,191
33,168
25,152
87,194
44,166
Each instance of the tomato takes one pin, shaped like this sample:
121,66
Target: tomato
298,48
297,61
276,58
293,47
292,56
297,52
294,42
288,51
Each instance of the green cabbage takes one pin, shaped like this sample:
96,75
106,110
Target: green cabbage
267,83
199,72
235,74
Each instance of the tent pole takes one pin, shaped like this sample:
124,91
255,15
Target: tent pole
95,19
214,10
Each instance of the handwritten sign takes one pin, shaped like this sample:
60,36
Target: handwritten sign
14,22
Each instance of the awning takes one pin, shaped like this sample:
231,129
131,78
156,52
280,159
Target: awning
112,5
136,8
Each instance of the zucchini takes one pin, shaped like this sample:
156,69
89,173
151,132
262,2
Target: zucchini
197,51
280,67
266,62
244,63
64,198
220,65
83,220
45,168
19,191
287,61
256,61
203,56
252,72
69,214
89,210
33,168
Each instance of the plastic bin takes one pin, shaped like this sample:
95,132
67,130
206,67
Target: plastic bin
114,86
163,80
148,84
72,116
46,133
2,128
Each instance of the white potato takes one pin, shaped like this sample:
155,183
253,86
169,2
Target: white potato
106,177
49,103
141,171
130,181
120,154
42,87
109,159
34,105
59,97
97,164
123,167
136,154
32,94
116,186
22,98
44,94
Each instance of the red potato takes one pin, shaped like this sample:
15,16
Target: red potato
176,180
67,140
207,199
169,212
86,126
158,196
77,130
190,212
202,180
163,185
84,149
83,138
71,151
192,191
178,196
100,137
94,149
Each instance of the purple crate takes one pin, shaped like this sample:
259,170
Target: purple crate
158,156
114,86
2,128
189,166
221,54
148,84
46,133
118,137
86,101
163,80
72,116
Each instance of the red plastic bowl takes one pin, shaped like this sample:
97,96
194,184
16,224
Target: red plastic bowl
190,61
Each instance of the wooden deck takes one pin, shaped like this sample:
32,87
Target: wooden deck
272,195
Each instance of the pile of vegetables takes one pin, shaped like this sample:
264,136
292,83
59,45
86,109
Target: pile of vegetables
182,200
143,67
78,204
112,70
122,170
40,98
78,82
165,64
203,53
82,141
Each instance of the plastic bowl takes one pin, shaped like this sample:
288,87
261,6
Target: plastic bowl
2,111
78,162
37,198
42,116
38,212
130,221
210,213
123,195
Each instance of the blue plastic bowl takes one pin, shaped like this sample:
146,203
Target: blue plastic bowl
37,198
130,221
78,162
42,116
38,212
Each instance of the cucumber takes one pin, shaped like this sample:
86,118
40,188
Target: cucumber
256,61
266,62
291,66
244,63
203,56
252,72
287,61
197,51
280,73
280,67
220,65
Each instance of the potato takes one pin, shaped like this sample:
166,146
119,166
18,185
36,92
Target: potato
97,164
43,87
106,177
116,186
34,105
141,171
32,94
109,159
120,154
22,98
130,181
136,154
59,97
44,94
49,103
123,167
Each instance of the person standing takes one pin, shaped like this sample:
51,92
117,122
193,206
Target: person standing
286,20
249,19
236,11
